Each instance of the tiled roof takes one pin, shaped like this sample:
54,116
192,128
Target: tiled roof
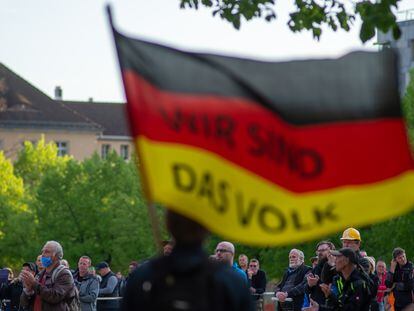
111,116
24,106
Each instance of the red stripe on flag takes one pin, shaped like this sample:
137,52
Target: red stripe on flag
300,159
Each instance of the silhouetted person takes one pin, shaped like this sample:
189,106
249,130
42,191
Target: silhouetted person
186,279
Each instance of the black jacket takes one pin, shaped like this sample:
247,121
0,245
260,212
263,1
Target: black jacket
352,294
315,291
12,291
298,291
108,304
186,279
403,280
258,282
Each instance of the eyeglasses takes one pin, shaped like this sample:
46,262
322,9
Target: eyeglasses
322,250
222,250
253,266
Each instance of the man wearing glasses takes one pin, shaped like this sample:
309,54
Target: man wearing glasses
324,261
257,278
225,254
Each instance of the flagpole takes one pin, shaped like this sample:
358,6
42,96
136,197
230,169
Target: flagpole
155,224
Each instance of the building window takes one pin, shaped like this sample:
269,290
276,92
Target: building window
105,150
124,152
63,148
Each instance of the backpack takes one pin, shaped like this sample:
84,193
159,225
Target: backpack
73,301
182,290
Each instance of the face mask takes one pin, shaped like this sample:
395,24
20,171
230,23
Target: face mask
46,261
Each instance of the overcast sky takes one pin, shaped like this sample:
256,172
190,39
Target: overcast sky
68,42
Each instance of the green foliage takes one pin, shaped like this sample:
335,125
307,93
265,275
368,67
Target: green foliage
234,11
34,161
309,14
408,108
14,215
11,186
94,207
377,15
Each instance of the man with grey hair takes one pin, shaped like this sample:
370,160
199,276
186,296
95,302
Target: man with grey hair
53,288
291,285
225,254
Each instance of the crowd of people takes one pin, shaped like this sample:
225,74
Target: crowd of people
185,278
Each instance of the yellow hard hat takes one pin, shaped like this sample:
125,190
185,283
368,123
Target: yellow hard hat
351,234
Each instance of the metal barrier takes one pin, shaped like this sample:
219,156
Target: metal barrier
108,298
287,305
4,304
268,302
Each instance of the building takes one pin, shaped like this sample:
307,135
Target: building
404,46
78,128
112,118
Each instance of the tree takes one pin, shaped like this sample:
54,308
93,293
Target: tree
34,160
14,215
309,14
95,208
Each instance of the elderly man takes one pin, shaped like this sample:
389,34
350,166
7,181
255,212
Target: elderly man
225,254
401,279
87,284
291,285
54,288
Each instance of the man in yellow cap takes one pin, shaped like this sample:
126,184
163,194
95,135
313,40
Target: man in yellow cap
351,238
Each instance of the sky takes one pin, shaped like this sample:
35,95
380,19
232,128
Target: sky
68,43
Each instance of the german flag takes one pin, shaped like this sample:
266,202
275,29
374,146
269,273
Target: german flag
269,153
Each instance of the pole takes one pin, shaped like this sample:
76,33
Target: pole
155,225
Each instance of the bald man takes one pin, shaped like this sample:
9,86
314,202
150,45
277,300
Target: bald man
225,254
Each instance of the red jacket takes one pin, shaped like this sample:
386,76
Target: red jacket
382,287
